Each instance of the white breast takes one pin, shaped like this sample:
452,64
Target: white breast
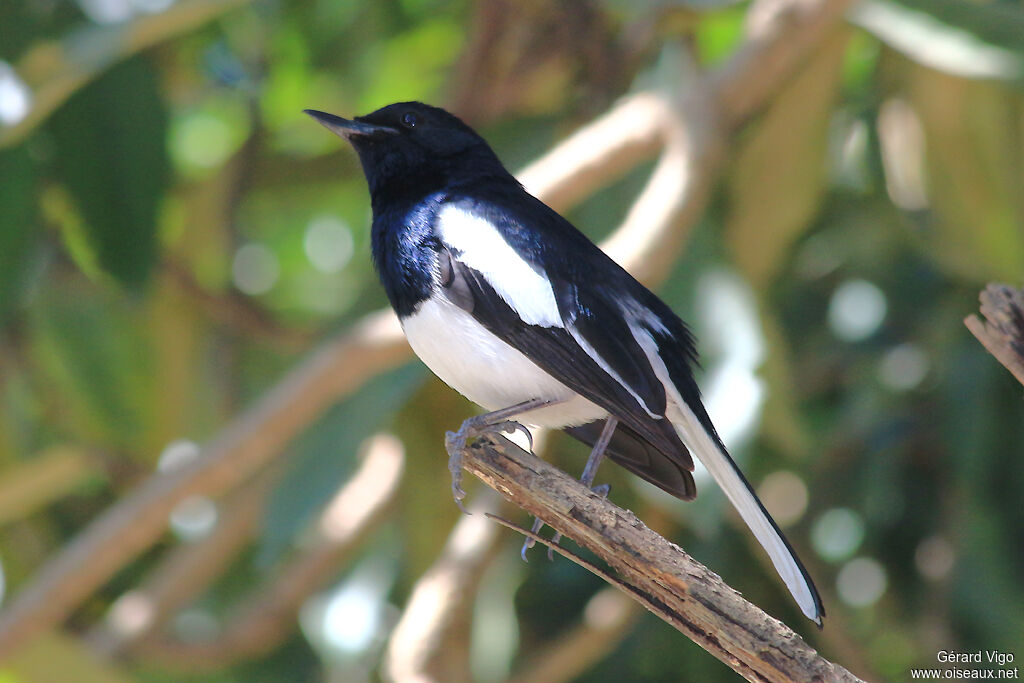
486,370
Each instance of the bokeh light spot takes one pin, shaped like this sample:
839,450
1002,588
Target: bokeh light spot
837,534
15,96
328,243
861,582
934,558
856,310
785,496
177,454
202,140
903,367
106,11
151,6
193,518
255,269
131,614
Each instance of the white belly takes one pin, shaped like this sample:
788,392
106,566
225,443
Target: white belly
486,370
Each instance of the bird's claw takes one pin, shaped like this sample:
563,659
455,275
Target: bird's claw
511,427
538,524
454,443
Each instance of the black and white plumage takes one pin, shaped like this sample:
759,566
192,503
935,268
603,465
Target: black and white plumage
507,302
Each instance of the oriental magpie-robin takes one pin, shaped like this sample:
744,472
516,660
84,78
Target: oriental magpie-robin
516,309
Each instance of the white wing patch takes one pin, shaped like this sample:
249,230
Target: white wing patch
483,249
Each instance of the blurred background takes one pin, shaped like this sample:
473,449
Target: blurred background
191,354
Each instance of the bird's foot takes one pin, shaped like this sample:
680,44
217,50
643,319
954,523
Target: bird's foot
455,444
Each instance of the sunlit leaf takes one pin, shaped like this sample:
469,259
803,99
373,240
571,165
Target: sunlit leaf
718,34
409,66
98,362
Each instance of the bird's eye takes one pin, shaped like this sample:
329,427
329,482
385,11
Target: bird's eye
410,119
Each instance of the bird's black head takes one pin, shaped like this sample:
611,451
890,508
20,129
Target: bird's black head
411,147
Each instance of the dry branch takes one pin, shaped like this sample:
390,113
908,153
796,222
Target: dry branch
1003,333
266,618
182,574
654,572
430,641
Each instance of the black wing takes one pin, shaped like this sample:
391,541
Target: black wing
641,457
646,445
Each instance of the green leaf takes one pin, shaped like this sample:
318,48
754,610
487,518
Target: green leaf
95,354
111,154
324,456
412,65
59,657
718,34
17,214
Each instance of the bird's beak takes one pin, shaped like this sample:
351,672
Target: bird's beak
349,129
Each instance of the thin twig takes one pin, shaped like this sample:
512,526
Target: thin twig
654,572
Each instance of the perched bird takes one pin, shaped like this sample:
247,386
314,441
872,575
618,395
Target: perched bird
516,309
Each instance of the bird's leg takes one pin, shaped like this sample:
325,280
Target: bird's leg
597,455
495,421
589,472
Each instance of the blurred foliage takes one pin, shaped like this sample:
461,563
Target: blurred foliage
176,224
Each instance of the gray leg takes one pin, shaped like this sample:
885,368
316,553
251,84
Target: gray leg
589,472
597,455
495,421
